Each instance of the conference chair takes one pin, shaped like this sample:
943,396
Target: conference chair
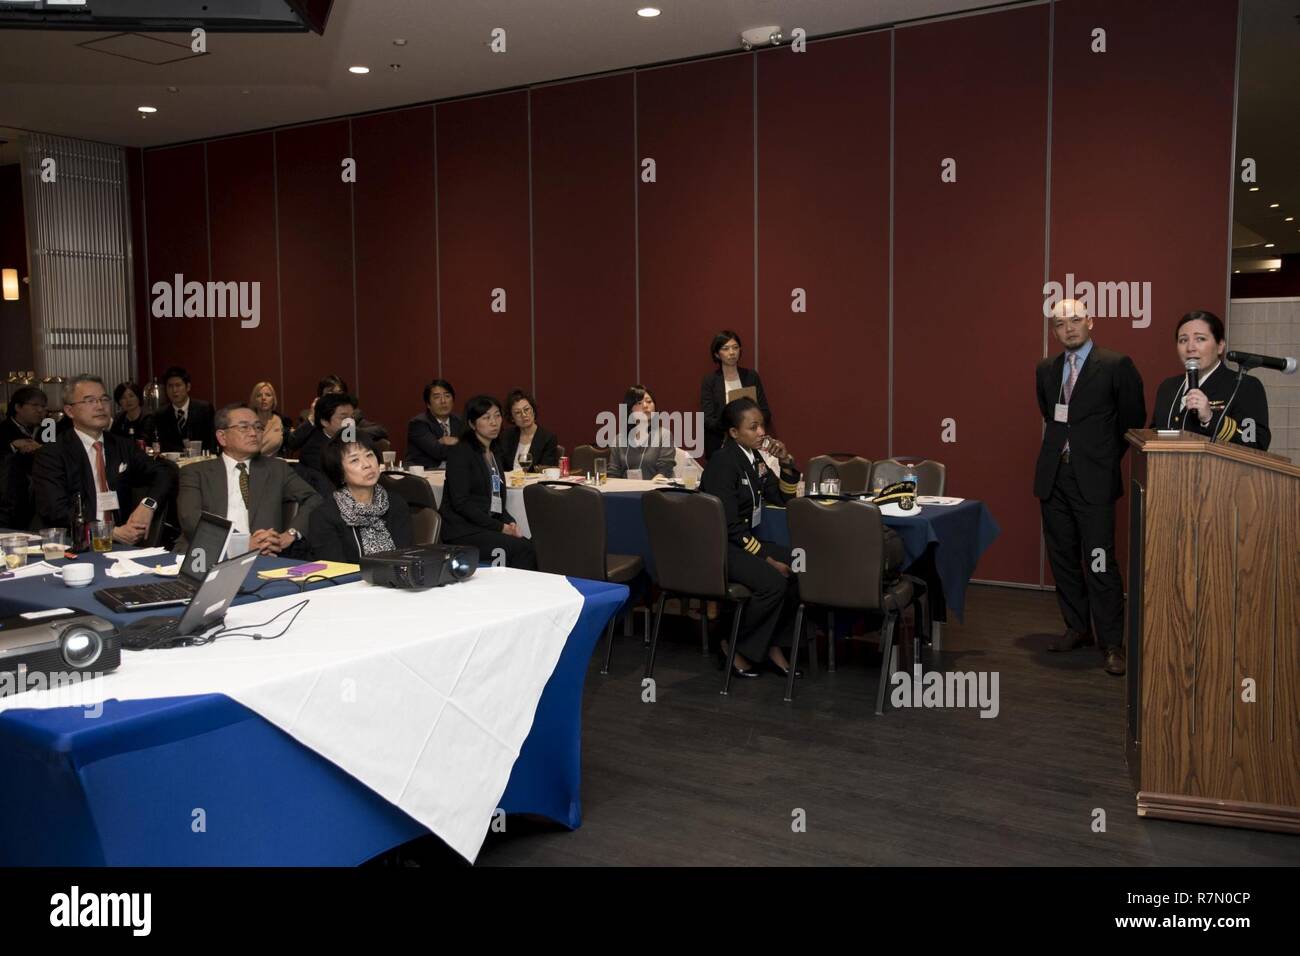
583,459
688,538
847,536
931,476
426,522
567,524
853,471
154,537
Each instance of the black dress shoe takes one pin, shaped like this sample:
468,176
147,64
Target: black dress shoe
1071,640
1113,662
750,671
783,671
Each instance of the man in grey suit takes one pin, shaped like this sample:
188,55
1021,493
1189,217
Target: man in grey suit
242,486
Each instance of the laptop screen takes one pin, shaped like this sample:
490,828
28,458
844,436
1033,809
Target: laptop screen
206,547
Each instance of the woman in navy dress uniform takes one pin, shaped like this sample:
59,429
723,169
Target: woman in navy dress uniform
739,477
1212,409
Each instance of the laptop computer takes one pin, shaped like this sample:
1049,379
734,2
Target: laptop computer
207,547
206,609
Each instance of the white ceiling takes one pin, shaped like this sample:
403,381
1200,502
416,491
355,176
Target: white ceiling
50,83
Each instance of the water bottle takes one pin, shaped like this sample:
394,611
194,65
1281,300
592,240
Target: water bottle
909,474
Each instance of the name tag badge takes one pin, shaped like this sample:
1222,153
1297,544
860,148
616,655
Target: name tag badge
756,516
1062,412
106,501
634,474
496,504
496,493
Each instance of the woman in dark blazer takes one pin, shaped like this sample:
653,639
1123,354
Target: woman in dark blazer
431,435
360,517
543,447
474,493
133,421
1218,407
719,387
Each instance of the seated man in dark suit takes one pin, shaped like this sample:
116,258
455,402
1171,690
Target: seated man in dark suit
242,486
433,433
331,385
20,439
184,419
100,467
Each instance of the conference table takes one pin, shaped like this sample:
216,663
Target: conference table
942,543
378,717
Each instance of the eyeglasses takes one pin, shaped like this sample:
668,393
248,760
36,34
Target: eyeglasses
102,400
245,427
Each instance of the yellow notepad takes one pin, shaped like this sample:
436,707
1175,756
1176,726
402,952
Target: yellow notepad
332,569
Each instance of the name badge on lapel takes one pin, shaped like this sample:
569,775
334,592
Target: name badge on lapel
496,494
634,474
756,515
1062,413
106,501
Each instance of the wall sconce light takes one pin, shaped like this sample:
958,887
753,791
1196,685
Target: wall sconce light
11,285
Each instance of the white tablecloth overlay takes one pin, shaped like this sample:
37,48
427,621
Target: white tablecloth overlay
424,696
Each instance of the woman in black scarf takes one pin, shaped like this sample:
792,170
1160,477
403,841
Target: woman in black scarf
361,517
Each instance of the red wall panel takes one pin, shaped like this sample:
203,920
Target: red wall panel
241,210
178,243
316,294
823,226
397,291
483,244
1142,167
696,222
584,240
968,260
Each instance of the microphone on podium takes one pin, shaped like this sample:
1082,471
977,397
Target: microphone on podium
1286,366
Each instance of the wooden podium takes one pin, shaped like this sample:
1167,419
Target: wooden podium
1213,731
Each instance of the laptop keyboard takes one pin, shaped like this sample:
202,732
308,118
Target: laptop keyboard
154,593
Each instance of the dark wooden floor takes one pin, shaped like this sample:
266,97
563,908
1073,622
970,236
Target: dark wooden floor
701,779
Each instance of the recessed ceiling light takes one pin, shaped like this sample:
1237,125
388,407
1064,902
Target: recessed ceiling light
1254,189
1268,245
399,42
147,109
1272,270
648,12
1236,272
1274,205
173,89
1289,219
358,69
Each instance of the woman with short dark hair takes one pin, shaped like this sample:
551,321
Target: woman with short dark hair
725,384
527,439
360,517
1222,407
474,495
644,449
132,421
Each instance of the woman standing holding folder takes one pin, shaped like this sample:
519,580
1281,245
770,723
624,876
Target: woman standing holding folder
726,383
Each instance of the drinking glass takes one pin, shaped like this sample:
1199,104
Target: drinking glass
389,458
101,535
54,542
526,462
830,486
601,467
13,547
193,449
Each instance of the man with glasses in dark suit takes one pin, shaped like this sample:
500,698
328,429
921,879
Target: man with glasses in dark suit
101,467
1089,397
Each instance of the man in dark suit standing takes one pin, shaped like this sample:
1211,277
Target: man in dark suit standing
101,467
1089,397
185,418
246,488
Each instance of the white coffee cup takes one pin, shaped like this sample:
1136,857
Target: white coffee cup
76,575
551,474
172,455
416,469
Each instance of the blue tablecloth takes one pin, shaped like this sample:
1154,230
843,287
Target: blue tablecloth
943,544
81,792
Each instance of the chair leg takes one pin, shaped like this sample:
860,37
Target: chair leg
731,648
654,639
886,660
609,643
645,631
794,653
704,631
810,637
830,641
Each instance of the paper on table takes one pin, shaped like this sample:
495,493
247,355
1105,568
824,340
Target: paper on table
30,571
136,554
937,500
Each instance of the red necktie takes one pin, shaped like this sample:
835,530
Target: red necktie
101,479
